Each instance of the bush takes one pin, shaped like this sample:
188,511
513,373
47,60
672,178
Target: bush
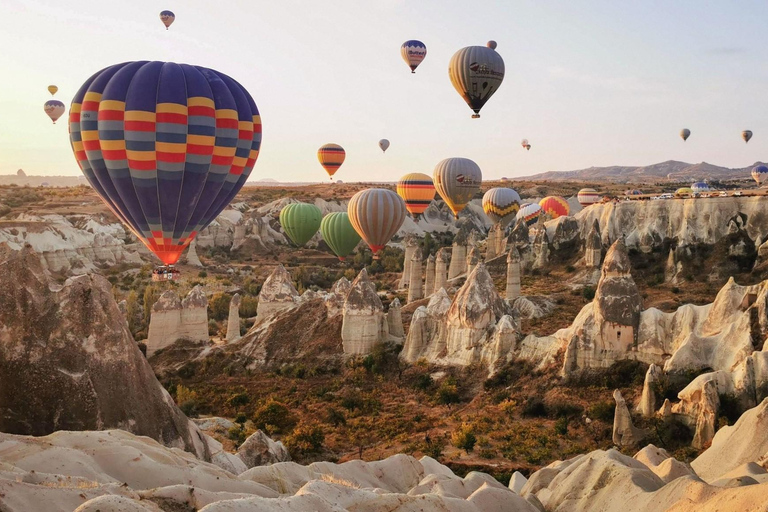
534,408
187,401
274,417
202,274
603,411
335,417
508,374
564,409
423,382
432,448
570,269
306,439
561,426
248,306
218,307
730,408
448,392
588,292
464,438
238,400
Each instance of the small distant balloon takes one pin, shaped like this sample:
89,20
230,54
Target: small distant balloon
167,17
476,72
384,144
55,109
53,90
413,52
331,156
760,174
491,44
525,144
685,133
746,135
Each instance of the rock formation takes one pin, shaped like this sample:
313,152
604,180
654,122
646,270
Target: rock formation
513,274
624,433
337,295
520,237
68,361
458,265
647,405
364,321
260,450
233,322
496,243
429,278
593,252
415,284
395,321
541,248
441,269
477,327
191,256
277,294
472,260
563,233
411,243
175,319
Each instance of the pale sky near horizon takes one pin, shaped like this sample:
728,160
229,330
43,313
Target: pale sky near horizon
589,83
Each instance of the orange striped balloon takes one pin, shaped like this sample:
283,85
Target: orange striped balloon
418,191
331,156
376,214
555,206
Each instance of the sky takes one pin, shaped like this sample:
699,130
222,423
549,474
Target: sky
588,83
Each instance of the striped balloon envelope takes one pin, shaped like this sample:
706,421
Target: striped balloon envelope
760,174
331,156
418,191
167,147
167,17
339,234
376,214
413,52
588,197
529,212
700,187
55,109
501,205
555,206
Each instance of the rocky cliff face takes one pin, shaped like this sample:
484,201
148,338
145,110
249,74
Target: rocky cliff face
175,319
365,323
68,361
277,294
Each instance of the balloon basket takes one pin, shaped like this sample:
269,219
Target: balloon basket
475,116
164,273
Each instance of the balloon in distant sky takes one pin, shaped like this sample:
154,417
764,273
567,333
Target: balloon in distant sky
555,206
501,205
746,135
418,191
167,146
331,156
476,73
339,234
384,144
413,52
587,197
300,221
54,109
491,44
167,17
53,89
457,180
685,133
529,212
760,174
376,214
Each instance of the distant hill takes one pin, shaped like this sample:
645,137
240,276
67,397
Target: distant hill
671,169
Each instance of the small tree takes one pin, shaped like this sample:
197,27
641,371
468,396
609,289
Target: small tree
151,294
218,306
464,438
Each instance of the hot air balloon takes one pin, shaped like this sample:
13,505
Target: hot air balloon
300,221
376,214
339,234
555,206
476,73
684,191
700,187
524,143
491,44
685,133
633,192
418,191
760,174
588,197
457,180
501,205
167,146
746,135
331,156
384,145
167,17
54,109
413,53
53,89
529,212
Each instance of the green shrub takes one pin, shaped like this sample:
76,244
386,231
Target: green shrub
448,392
218,306
202,274
561,426
306,439
534,407
603,411
464,438
423,382
274,417
238,400
588,292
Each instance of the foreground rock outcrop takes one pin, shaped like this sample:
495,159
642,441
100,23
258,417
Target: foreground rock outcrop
174,319
277,294
69,362
364,321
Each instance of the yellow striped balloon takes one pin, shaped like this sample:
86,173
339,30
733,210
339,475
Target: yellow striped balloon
555,206
418,191
501,205
457,180
331,156
376,214
588,197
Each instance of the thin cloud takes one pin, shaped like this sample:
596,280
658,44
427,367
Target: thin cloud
727,50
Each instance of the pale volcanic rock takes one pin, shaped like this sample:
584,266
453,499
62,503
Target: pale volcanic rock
541,248
517,482
395,321
277,294
472,260
562,232
458,264
411,243
441,268
95,377
365,323
624,432
260,450
496,243
337,295
429,277
427,324
513,274
175,319
745,441
415,284
662,464
233,321
647,405
593,251
191,255
520,236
